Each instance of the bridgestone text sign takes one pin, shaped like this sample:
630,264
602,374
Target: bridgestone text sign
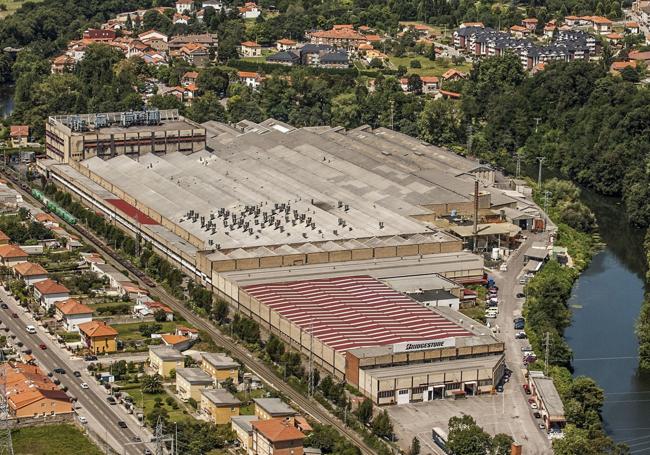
412,346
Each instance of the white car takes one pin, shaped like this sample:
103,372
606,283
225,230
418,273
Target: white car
533,405
30,329
84,385
83,420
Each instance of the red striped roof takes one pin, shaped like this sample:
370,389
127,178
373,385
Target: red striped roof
131,211
354,312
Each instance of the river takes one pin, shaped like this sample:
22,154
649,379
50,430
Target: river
606,301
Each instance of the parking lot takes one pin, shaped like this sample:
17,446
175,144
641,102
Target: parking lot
500,413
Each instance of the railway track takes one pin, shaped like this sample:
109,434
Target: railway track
311,407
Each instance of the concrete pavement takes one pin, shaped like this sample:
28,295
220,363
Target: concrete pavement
91,403
534,440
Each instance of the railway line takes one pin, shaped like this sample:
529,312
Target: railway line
311,407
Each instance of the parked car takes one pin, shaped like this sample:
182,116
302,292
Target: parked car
499,388
4,306
534,405
527,389
84,385
111,400
521,335
30,329
90,358
520,295
537,415
76,374
59,370
542,426
122,424
56,381
83,420
42,346
14,315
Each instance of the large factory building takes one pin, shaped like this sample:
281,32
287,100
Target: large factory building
267,205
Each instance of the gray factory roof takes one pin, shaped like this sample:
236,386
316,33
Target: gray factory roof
545,389
275,407
194,375
481,363
377,268
425,282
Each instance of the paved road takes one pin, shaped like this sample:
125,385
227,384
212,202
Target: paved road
509,306
102,417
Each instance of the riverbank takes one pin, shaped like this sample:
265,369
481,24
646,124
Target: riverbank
548,315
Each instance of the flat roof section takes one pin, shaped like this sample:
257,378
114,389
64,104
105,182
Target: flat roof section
354,312
131,211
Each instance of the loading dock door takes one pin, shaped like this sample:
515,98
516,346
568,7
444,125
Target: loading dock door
404,396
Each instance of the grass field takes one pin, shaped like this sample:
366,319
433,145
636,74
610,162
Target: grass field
150,399
52,440
429,68
130,331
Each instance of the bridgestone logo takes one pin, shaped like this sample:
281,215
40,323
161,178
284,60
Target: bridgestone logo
420,346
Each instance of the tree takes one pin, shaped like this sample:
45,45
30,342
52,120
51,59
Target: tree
220,311
160,315
414,84
501,444
229,385
152,384
213,79
274,348
364,411
415,446
292,364
382,426
415,64
158,413
440,122
431,53
376,63
466,437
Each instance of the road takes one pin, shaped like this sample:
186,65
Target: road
259,368
102,417
509,306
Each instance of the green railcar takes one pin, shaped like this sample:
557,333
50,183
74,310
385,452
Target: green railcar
54,207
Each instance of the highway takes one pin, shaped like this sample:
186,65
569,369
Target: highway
259,368
91,403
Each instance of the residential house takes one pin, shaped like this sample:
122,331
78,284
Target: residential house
338,59
30,273
189,78
48,292
180,19
249,11
614,37
243,427
146,307
217,5
430,84
446,94
46,220
155,40
137,48
178,42
346,38
639,56
220,367
11,255
163,359
271,408
178,342
195,54
187,332
62,64
277,437
30,393
520,31
250,49
549,30
453,74
530,23
250,78
287,58
4,238
285,44
98,337
72,314
115,278
617,67
219,405
632,27
98,35
601,24
184,6
190,382
19,135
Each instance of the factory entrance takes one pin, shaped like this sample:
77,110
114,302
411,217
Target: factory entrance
434,393
470,388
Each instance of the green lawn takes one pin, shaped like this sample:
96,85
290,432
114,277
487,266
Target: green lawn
52,440
130,331
244,397
149,401
429,68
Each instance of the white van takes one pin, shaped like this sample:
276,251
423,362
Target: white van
30,329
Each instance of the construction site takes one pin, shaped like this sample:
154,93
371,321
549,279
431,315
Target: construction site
268,206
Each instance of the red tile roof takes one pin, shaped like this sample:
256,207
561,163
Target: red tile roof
95,329
353,312
49,286
277,430
72,306
4,236
29,269
12,251
250,44
19,131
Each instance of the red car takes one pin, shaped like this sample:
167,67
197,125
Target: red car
527,389
14,315
42,346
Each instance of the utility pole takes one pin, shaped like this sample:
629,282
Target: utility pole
546,195
392,114
537,120
159,437
541,159
518,173
469,139
546,355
